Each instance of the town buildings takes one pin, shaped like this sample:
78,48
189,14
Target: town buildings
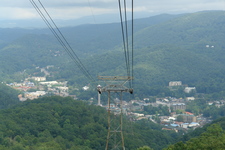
175,83
134,108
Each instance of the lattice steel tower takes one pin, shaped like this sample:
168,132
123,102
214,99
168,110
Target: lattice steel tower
116,84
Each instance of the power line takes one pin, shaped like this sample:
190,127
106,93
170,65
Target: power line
79,63
132,18
91,11
61,39
125,36
127,41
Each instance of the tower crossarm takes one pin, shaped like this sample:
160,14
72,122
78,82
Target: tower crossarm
115,78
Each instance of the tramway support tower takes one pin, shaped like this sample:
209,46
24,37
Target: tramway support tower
115,84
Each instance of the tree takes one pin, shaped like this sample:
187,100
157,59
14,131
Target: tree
213,138
144,148
179,111
180,118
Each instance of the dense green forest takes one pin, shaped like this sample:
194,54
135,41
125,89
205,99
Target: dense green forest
187,48
8,96
64,123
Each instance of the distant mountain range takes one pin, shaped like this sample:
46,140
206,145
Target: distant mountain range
93,19
187,47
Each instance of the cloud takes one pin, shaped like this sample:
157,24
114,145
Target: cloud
173,6
72,9
15,13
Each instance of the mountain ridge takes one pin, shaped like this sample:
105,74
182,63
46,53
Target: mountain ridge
187,47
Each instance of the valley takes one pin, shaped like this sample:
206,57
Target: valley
179,84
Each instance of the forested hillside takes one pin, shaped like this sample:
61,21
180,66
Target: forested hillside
186,47
211,136
8,96
189,48
57,123
63,123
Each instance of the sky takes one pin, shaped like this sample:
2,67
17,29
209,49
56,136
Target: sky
74,9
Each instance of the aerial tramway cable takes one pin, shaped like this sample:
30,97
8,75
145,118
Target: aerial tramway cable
61,39
126,33
92,11
132,47
125,37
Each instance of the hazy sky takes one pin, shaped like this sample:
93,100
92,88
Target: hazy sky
73,9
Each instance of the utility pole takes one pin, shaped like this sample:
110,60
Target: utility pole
99,95
116,84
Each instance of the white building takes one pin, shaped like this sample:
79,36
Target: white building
193,124
138,115
49,83
39,78
175,83
189,89
190,98
180,106
34,95
63,88
85,88
172,118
